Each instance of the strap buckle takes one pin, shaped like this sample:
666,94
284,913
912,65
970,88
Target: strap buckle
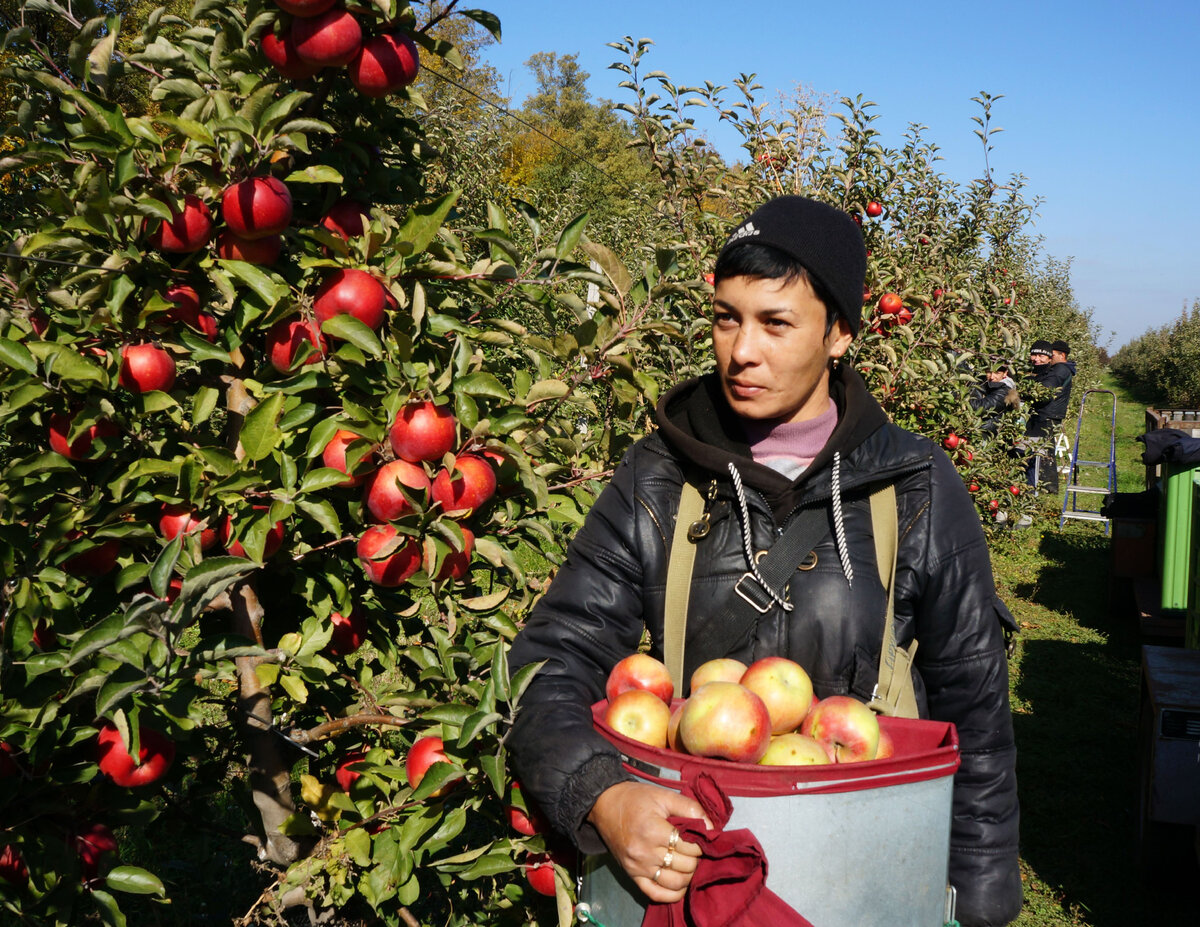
760,603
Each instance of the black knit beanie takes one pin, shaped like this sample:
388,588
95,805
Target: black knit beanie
1040,347
822,239
1060,345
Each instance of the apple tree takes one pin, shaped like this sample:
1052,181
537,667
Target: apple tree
282,470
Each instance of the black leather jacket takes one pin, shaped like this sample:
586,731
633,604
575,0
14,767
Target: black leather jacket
1049,413
612,587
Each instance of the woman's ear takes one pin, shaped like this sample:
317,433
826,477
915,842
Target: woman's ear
837,342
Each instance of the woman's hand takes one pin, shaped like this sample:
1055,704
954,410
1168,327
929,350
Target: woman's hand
632,820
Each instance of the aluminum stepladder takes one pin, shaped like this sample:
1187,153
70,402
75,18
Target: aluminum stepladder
1070,508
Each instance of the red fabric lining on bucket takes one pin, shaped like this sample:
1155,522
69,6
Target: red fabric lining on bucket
728,888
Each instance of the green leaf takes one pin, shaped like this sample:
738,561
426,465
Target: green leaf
478,722
295,687
203,403
570,237
212,576
347,328
16,355
321,478
358,846
107,905
423,222
489,865
323,513
611,265
316,173
481,383
489,21
271,290
546,389
260,435
135,881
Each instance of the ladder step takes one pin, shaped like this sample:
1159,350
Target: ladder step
1086,516
1095,489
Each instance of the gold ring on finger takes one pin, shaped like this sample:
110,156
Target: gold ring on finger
666,863
657,873
674,839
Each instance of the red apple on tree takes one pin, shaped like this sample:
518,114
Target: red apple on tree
890,303
187,310
951,441
456,565
188,230
785,688
95,561
289,339
12,866
334,456
423,431
94,844
8,766
640,671
388,557
846,726
230,537
349,632
257,207
345,776
727,720
528,822
353,292
177,518
639,715
81,447
471,485
347,218
385,499
146,367
330,39
424,753
261,251
155,752
539,871
385,63
280,50
874,210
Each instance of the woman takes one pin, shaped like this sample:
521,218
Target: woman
779,428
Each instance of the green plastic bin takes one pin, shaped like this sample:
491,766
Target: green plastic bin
1177,522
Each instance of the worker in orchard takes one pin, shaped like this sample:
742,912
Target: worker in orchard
780,433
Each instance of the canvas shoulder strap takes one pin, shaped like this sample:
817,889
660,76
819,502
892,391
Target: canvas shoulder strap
679,583
894,693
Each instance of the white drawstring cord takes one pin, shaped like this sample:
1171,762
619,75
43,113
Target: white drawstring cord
839,527
749,547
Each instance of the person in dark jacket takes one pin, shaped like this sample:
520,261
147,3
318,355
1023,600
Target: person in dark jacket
997,395
1048,411
779,428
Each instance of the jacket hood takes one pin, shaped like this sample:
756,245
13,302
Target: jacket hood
697,422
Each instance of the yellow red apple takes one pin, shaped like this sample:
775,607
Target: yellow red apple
785,689
640,671
723,669
847,726
794,749
887,746
640,715
727,720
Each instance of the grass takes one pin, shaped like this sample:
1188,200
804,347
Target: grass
1075,689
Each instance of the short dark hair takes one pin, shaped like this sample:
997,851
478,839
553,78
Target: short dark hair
762,262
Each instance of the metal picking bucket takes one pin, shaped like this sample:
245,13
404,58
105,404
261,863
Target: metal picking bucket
865,843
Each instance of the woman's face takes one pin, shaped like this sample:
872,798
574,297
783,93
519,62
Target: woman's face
772,350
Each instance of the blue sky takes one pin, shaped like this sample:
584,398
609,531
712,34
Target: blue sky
1099,107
